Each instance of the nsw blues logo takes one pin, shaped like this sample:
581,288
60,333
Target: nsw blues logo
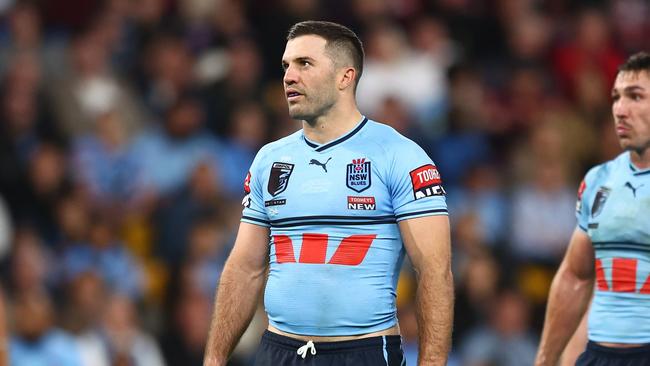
358,177
279,178
599,201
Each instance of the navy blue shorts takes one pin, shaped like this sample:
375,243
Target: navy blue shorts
278,350
597,355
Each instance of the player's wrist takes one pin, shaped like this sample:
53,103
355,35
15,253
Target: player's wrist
543,360
214,361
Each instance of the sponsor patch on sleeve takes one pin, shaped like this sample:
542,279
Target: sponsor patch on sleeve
246,201
247,183
581,190
426,182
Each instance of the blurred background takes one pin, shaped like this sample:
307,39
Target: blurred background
128,126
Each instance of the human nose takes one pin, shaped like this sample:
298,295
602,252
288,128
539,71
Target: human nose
290,76
620,108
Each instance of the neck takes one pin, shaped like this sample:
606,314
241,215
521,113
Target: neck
332,125
640,158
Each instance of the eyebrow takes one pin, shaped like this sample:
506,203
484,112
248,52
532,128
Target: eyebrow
629,89
633,88
300,58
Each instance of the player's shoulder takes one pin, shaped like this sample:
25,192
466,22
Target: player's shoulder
278,146
607,168
390,139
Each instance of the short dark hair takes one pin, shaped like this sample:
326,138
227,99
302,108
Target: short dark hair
639,61
337,36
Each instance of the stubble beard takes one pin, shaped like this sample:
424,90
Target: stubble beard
639,147
311,109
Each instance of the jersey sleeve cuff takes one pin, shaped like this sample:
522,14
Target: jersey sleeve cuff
255,221
411,215
582,228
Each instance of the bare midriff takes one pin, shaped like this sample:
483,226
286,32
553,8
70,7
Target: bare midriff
394,330
621,345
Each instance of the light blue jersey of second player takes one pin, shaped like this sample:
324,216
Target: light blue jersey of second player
335,248
614,209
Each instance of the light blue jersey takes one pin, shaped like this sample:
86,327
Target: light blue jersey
614,209
335,247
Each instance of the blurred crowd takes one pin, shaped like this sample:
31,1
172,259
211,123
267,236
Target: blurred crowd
127,128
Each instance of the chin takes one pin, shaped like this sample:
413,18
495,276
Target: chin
299,115
629,147
625,143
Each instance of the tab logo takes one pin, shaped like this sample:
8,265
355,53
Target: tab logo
358,176
426,182
361,203
270,203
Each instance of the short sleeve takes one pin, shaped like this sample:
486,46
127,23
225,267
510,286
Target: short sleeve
253,202
415,184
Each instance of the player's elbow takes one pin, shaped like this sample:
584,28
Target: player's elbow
566,277
244,270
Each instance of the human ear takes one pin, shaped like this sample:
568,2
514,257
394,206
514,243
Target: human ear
347,77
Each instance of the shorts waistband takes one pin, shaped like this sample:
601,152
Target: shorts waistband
631,351
333,347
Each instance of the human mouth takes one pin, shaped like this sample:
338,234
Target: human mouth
622,130
293,95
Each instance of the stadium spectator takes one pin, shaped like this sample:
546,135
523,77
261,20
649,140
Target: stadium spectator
394,69
88,87
85,296
166,156
105,255
177,214
105,164
31,265
184,343
247,131
543,201
505,339
36,341
126,341
170,73
240,83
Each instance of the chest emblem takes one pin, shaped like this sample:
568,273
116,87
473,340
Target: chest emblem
322,165
358,175
633,188
279,178
599,201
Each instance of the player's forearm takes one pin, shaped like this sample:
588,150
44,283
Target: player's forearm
568,301
576,345
235,304
435,307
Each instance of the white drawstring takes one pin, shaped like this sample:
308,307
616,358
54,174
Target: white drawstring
302,351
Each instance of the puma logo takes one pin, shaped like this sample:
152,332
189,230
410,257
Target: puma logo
322,165
630,186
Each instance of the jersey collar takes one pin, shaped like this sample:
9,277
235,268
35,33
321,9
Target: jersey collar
634,169
339,140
